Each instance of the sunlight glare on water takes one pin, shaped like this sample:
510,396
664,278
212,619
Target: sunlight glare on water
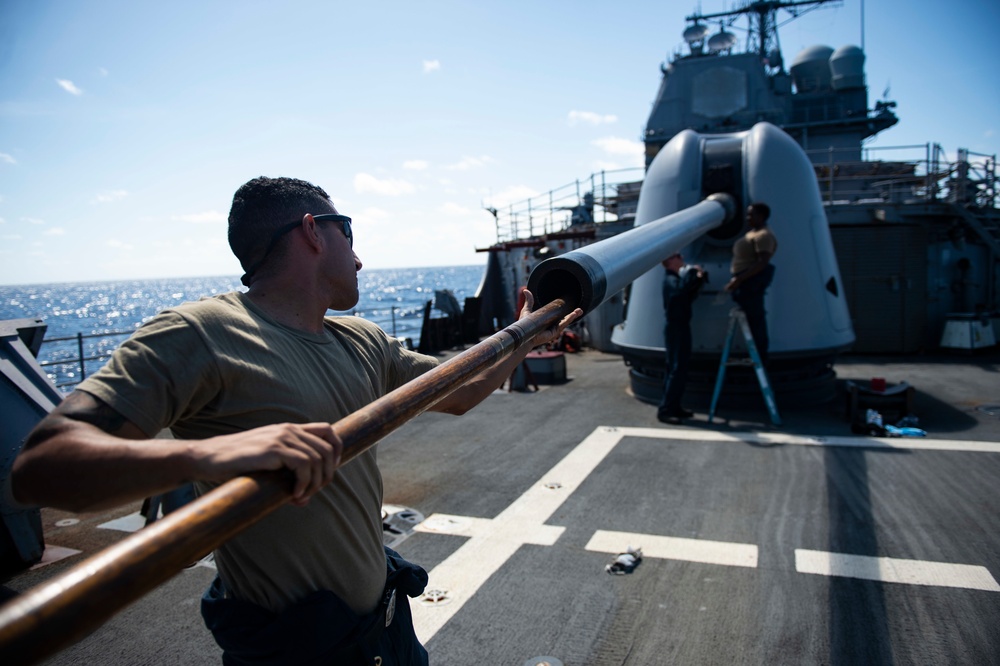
392,298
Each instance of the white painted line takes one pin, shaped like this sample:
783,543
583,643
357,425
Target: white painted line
53,554
442,523
495,541
208,562
892,570
492,542
130,523
675,548
776,438
483,528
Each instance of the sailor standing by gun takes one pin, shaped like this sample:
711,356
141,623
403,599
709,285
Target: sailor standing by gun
753,272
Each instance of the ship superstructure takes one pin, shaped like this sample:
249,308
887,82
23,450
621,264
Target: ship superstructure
916,232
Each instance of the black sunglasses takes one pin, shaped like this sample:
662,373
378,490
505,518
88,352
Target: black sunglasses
345,226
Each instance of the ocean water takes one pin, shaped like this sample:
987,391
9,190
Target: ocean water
392,298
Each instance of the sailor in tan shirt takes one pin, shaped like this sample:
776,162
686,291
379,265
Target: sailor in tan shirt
251,381
752,273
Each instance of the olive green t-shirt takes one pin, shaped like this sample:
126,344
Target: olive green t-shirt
220,366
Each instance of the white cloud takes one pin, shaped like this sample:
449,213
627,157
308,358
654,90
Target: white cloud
108,197
470,163
451,208
11,237
55,231
510,195
102,71
208,217
69,87
3,221
618,146
9,159
119,245
367,184
416,165
591,118
431,66
634,150
32,220
604,165
373,215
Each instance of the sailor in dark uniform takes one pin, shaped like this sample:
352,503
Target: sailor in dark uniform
681,284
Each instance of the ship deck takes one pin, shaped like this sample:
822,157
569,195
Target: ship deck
799,543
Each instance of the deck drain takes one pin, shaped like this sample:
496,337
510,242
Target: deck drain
66,522
992,410
435,598
543,661
553,485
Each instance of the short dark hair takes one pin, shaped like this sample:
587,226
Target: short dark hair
761,208
264,204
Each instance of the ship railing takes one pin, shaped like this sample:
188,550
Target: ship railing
605,196
70,362
72,358
399,322
922,173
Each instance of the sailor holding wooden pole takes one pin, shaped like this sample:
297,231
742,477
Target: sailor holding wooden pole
248,382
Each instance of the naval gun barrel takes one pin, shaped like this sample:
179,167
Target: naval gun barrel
588,276
71,605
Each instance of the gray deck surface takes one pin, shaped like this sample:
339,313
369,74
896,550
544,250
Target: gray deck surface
738,485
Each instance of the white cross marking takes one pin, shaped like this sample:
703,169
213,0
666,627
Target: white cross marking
494,541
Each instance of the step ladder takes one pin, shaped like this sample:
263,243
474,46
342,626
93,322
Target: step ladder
737,319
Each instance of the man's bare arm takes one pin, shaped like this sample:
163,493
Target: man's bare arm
86,456
481,386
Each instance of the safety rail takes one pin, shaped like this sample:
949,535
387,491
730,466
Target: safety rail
921,172
896,174
71,364
597,199
81,359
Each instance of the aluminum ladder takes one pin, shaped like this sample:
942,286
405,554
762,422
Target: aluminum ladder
737,319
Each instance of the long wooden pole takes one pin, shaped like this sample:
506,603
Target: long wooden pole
69,607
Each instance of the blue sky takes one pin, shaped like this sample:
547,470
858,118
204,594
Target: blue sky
125,127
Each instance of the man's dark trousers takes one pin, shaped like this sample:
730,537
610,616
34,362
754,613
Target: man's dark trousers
678,340
750,297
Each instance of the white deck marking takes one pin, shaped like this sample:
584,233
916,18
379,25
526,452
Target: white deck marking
892,570
676,548
133,522
494,541
53,554
776,438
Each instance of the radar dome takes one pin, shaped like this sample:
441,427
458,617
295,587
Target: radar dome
811,69
847,67
695,33
721,41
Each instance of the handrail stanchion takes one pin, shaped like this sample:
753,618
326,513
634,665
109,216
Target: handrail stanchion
79,348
